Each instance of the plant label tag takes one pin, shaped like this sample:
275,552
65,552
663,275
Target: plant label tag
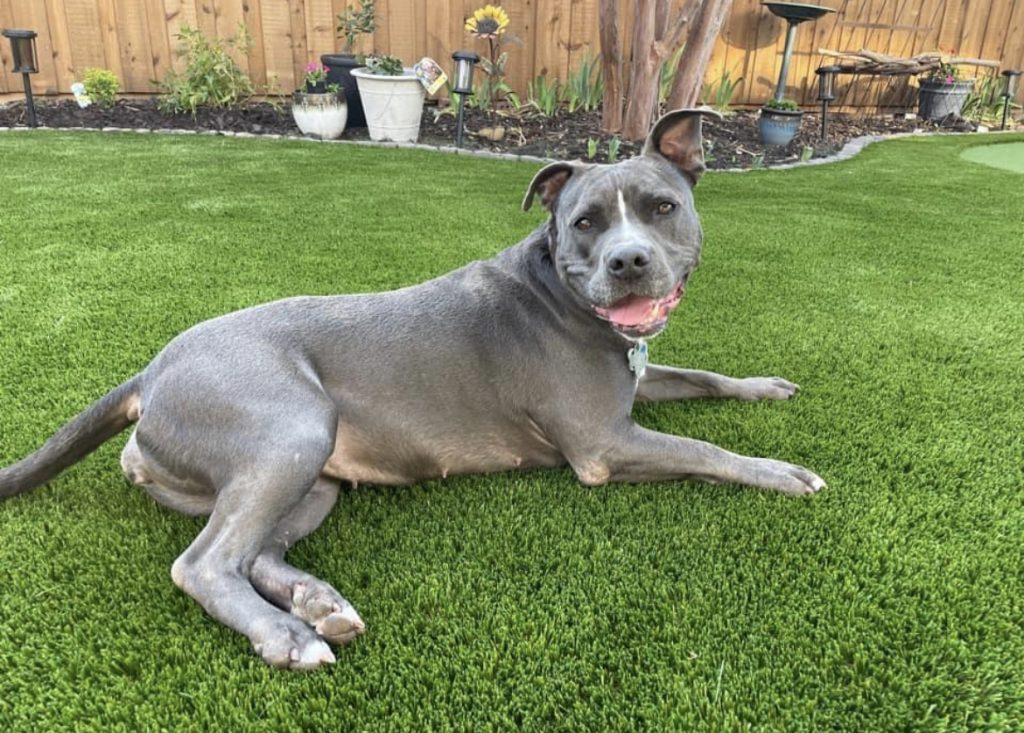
430,74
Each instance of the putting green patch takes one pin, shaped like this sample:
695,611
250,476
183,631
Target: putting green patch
1007,156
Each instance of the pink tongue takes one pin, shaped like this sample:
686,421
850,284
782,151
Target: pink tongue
631,311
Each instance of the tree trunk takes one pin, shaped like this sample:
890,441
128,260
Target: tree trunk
700,42
643,79
611,67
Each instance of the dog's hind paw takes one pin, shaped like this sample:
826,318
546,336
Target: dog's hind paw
294,648
325,610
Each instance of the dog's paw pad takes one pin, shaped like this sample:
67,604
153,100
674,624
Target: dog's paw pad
341,626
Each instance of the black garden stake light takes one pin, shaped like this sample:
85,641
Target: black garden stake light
465,64
23,52
826,92
1009,92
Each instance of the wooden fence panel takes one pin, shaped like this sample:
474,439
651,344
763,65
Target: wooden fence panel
136,39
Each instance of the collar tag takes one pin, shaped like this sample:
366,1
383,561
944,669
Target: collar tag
638,358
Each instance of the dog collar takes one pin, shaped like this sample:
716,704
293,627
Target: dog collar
637,357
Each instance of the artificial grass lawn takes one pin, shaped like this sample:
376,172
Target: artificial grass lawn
1008,156
887,286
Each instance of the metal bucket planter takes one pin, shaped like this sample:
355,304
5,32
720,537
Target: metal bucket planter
778,126
938,99
393,105
320,115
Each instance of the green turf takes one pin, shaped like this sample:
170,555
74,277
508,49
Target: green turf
889,287
1007,156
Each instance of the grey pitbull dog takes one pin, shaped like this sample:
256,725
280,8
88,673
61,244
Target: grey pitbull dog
531,358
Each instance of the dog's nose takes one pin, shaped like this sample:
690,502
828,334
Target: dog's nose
628,261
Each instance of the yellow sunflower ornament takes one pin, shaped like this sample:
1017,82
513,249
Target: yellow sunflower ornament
488,22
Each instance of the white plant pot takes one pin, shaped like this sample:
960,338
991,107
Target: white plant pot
393,105
320,115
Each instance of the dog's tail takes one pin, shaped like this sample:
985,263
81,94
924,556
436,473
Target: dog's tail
86,432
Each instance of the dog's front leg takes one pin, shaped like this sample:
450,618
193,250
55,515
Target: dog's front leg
661,383
637,454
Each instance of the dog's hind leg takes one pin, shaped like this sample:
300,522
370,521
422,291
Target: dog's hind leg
661,383
300,593
216,568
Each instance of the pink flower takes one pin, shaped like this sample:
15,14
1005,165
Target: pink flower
950,79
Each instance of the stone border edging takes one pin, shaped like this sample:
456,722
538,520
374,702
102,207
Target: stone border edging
848,151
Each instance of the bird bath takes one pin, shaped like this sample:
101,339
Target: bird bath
794,14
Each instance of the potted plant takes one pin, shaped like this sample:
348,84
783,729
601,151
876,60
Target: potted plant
319,107
392,99
779,121
942,92
352,23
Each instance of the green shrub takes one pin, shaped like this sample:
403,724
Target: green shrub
101,85
211,77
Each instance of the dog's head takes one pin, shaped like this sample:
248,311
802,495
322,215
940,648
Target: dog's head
624,238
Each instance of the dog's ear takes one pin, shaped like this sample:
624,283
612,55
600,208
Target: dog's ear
547,183
677,138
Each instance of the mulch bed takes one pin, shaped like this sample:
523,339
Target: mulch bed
731,143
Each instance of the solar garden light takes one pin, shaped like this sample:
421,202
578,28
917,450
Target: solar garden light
826,92
23,51
465,64
1009,92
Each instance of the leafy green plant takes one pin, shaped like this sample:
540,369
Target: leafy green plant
984,104
543,96
211,77
585,87
384,64
787,105
592,143
102,86
667,74
719,95
613,149
806,153
354,22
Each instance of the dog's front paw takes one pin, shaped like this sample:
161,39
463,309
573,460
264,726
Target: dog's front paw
783,477
765,388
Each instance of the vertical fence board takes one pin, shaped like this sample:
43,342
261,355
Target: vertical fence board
63,66
86,46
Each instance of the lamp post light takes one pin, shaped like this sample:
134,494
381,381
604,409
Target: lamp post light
826,92
465,64
23,52
1009,92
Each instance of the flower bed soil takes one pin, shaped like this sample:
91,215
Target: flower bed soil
730,143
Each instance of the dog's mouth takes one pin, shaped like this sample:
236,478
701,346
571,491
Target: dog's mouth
637,316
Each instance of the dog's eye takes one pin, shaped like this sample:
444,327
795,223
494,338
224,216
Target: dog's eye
666,207
583,224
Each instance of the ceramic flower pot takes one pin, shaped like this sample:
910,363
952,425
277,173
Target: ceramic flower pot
393,104
320,115
778,126
937,98
339,71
